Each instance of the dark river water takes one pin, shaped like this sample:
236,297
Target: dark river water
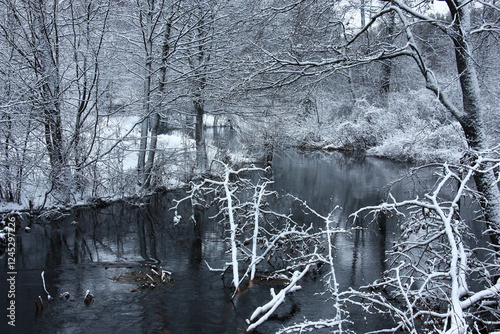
86,248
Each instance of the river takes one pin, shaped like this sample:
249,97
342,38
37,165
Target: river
86,248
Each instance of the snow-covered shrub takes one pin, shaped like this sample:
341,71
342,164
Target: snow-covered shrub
261,135
420,130
423,142
415,106
364,130
413,127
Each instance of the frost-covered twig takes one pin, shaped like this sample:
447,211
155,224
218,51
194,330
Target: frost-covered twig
332,284
242,207
430,273
258,196
214,269
310,326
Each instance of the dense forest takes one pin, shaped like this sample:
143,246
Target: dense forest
89,87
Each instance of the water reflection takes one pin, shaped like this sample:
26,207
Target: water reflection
326,180
86,248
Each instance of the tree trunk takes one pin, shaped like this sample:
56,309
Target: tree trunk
362,13
199,136
472,120
48,56
153,142
148,46
155,117
141,163
385,84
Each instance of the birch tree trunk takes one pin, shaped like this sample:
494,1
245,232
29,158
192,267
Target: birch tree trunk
47,58
155,116
147,37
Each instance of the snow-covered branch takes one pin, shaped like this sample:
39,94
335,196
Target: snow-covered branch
264,312
432,265
332,285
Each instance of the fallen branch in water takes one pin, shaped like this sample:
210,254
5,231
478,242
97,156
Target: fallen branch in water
49,297
277,299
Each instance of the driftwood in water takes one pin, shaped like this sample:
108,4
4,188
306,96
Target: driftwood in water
150,278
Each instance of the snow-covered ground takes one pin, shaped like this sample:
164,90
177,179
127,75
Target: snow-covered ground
116,149
120,135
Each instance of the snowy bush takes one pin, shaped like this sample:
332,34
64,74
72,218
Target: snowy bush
363,131
420,130
261,135
413,127
424,143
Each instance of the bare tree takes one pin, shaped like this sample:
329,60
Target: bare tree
16,128
150,16
55,69
89,24
35,38
259,236
199,51
429,280
155,117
